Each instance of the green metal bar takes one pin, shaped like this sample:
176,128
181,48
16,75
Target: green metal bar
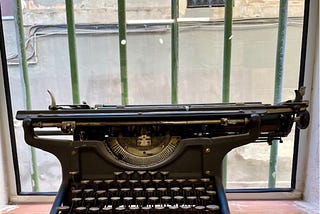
174,51
226,68
279,72
123,50
25,75
72,52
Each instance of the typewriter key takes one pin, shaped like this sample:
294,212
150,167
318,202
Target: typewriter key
140,201
204,199
168,182
145,210
115,201
76,202
94,210
156,182
166,200
76,192
150,191
117,175
145,183
134,210
138,192
178,200
192,200
173,209
181,181
133,183
121,183
97,184
127,201
81,210
125,192
100,193
108,182
63,209
153,201
88,192
141,174
186,191
174,191
164,174
161,191
89,201
106,210
213,208
128,174
153,174
112,192
185,207
200,209
199,190
102,201
120,210
212,195
84,183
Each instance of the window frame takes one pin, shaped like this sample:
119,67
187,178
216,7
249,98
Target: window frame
267,191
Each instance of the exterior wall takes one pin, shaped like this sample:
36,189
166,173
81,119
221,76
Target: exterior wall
105,11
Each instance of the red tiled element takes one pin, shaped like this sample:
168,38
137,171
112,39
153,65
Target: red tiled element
236,207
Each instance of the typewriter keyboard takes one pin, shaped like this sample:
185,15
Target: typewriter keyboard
142,192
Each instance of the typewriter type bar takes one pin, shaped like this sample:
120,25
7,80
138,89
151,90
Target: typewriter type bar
152,158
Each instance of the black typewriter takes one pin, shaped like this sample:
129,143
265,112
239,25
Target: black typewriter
153,158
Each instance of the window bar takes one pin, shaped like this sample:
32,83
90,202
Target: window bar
278,85
26,85
226,67
174,51
72,52
123,50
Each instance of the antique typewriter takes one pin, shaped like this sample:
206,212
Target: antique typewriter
152,158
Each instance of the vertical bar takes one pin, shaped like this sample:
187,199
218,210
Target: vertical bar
226,67
174,51
123,50
72,52
25,75
279,71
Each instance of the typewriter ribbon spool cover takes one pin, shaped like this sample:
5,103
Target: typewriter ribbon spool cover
153,158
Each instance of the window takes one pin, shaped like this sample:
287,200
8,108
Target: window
167,53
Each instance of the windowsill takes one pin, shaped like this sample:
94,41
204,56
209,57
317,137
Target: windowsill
236,207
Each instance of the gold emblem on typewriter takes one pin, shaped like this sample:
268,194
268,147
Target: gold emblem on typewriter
144,140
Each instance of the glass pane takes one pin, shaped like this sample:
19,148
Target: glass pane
254,45
149,68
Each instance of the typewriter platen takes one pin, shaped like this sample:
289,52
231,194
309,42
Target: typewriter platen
153,158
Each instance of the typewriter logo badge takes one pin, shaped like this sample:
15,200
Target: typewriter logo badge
144,141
